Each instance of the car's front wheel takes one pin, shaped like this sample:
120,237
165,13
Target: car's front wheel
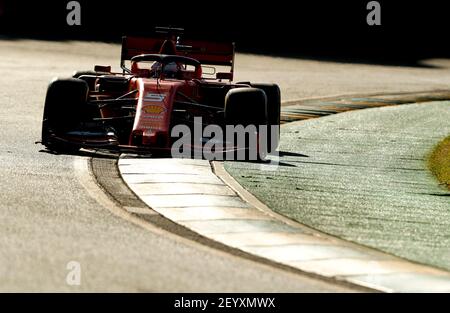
247,106
65,107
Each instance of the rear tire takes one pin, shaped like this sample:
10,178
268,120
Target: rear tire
273,95
77,74
89,76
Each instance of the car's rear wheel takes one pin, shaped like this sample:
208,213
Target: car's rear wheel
90,77
65,107
273,95
247,106
78,74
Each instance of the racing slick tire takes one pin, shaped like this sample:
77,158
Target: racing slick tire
247,106
273,95
90,77
65,107
78,74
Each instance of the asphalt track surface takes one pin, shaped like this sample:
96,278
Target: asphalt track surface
51,211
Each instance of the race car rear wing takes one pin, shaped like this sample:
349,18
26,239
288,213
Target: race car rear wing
207,53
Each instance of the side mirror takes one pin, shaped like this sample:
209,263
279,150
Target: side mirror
224,75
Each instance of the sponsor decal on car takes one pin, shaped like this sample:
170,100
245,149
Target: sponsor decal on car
153,117
154,109
157,97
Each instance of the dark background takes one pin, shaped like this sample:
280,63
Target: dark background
324,29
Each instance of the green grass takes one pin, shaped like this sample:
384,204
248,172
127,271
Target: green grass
439,162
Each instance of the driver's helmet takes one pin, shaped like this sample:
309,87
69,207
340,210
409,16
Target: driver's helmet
171,69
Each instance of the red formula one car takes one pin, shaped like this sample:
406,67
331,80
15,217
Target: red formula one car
165,83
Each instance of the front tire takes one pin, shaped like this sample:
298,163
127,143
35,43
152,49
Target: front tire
65,107
247,106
